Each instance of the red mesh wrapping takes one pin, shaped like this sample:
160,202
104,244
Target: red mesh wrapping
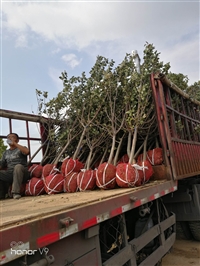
106,176
49,169
70,182
54,183
155,156
34,187
128,176
36,170
70,165
124,159
86,180
147,171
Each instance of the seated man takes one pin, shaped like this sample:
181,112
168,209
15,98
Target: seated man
14,160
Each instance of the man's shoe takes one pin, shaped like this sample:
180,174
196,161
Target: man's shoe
16,196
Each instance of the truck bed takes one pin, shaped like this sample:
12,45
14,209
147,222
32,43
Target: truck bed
31,208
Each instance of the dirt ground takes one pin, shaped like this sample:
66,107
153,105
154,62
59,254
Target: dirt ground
184,253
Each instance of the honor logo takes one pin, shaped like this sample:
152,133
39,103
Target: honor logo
20,249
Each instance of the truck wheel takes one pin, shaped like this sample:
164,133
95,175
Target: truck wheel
195,229
183,231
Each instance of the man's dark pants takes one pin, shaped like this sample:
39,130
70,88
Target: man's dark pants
19,175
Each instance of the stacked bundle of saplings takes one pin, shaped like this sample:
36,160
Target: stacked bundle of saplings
115,118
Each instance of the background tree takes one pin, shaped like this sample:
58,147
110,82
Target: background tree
182,81
194,91
2,148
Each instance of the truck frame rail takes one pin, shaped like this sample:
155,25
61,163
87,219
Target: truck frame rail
38,226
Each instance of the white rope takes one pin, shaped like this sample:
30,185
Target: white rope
139,167
33,170
104,184
152,160
54,189
69,181
74,161
126,177
34,188
83,175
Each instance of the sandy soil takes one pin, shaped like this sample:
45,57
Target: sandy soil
184,253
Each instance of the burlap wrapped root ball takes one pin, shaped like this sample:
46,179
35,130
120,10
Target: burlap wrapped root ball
70,182
86,180
128,176
124,159
147,171
106,176
49,169
54,183
155,156
36,170
70,165
35,187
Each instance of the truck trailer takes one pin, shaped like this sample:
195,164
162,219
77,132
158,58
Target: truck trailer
121,226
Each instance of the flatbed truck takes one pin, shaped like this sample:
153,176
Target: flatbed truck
122,226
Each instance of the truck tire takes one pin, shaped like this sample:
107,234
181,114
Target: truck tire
195,229
183,231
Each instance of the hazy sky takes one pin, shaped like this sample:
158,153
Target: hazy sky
40,39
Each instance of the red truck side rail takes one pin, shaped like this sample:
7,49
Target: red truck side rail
37,232
178,119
